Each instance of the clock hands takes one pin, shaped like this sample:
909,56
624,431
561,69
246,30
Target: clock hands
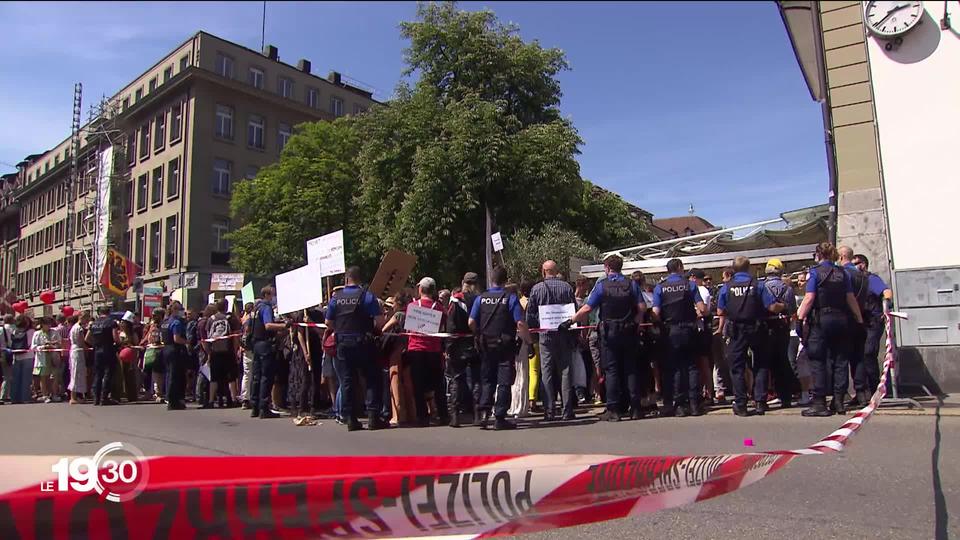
891,11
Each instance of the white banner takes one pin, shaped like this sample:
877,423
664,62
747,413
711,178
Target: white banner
299,289
422,320
226,282
551,316
497,241
102,210
326,252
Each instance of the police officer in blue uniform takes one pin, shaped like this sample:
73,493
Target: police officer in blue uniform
264,357
103,336
621,311
867,375
744,306
860,283
778,333
173,334
496,319
677,302
355,315
827,306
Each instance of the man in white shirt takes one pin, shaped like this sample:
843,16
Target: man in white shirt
704,346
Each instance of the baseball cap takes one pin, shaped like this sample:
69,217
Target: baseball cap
471,277
774,265
128,316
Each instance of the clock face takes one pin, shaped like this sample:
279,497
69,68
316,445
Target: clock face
889,19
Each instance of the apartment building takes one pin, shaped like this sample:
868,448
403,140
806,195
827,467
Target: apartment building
208,115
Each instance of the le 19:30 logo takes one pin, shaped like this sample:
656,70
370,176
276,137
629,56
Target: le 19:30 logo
118,472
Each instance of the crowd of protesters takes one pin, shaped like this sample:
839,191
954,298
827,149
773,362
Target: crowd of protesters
321,363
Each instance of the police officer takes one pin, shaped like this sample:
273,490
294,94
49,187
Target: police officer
677,301
463,359
860,283
174,337
826,309
104,336
354,314
621,311
867,376
264,359
778,333
496,319
744,306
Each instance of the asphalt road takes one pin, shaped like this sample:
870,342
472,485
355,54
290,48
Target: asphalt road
900,478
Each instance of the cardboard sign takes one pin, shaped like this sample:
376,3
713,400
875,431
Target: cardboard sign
247,294
188,280
326,253
497,241
299,289
226,282
392,275
551,316
422,320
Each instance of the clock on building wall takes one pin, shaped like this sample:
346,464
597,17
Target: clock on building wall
891,19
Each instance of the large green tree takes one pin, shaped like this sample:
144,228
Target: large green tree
526,249
305,194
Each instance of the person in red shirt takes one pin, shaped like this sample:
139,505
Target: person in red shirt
425,359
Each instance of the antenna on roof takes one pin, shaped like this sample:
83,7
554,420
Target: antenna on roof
690,210
263,25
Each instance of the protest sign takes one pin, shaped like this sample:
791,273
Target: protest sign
551,316
247,294
226,282
392,275
497,241
422,320
326,252
299,289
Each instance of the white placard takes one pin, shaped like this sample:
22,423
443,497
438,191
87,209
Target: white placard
422,320
299,289
327,253
497,241
230,300
211,298
551,316
226,282
205,370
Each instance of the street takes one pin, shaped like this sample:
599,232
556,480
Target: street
899,478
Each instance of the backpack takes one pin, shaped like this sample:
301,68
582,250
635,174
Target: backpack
191,332
246,336
218,326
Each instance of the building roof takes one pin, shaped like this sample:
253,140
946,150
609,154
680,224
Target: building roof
684,225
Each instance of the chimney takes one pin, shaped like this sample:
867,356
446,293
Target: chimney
304,65
271,52
334,77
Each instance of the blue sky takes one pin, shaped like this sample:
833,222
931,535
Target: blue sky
678,103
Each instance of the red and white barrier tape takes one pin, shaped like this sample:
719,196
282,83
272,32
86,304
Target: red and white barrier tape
466,496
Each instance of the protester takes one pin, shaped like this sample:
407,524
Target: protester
778,333
463,359
312,393
6,357
704,340
63,329
219,346
402,406
78,358
46,366
128,357
153,365
526,382
424,355
556,348
246,353
867,373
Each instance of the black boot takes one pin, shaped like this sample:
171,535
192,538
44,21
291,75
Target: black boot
817,408
484,419
837,405
454,417
354,425
502,424
740,410
761,407
864,398
374,422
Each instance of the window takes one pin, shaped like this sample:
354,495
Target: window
51,202
56,274
176,122
144,140
255,127
173,178
224,65
313,98
62,195
126,103
156,195
358,109
138,95
142,193
170,254
141,247
58,233
283,135
155,246
168,74
285,87
82,223
224,124
255,78
127,200
127,247
159,131
252,171
221,226
184,62
336,106
221,176
132,149
153,84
